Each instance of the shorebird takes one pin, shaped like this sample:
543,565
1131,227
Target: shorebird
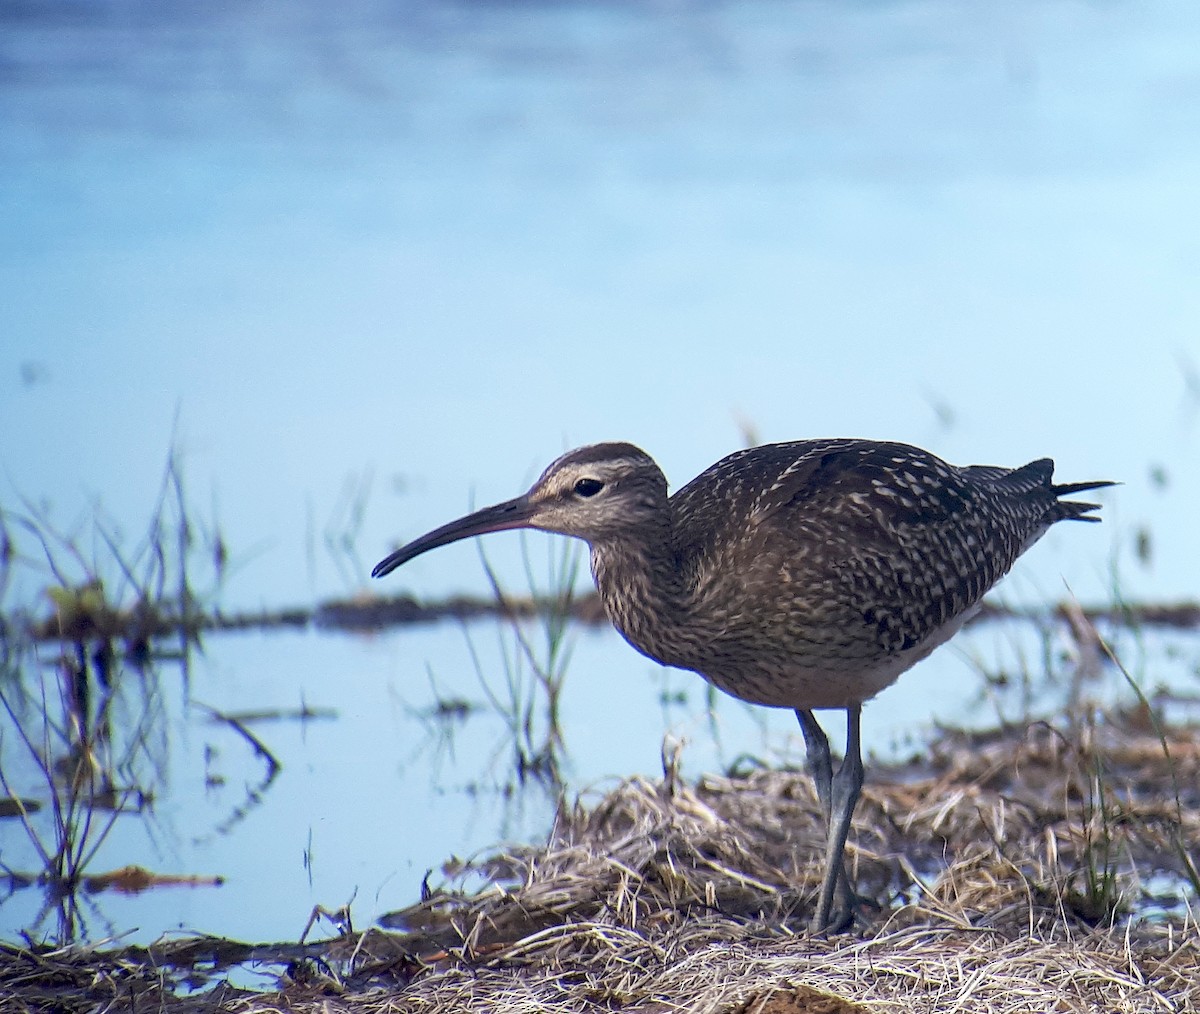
803,575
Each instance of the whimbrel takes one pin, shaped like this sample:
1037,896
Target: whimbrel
802,575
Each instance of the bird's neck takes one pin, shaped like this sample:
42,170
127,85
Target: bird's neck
642,588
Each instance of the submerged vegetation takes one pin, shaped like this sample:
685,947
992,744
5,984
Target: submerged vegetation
1050,863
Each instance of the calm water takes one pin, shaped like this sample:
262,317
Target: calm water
366,266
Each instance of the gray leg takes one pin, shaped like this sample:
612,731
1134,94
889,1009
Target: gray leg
846,786
820,768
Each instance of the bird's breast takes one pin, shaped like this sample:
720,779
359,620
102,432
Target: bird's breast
811,643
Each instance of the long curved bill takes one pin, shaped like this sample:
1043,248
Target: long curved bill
515,513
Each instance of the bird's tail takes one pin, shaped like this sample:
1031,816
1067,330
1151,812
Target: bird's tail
1075,510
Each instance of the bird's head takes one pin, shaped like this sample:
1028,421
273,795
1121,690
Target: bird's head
594,493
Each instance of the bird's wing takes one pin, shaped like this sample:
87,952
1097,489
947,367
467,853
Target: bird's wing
907,539
893,482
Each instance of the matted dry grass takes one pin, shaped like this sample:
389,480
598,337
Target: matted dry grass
1004,874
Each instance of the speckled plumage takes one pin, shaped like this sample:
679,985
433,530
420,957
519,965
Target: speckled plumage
811,574
804,575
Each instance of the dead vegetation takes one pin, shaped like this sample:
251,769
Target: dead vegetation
1022,871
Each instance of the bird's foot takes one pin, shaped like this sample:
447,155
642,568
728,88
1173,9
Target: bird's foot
847,904
838,922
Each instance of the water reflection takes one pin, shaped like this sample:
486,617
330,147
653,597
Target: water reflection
90,728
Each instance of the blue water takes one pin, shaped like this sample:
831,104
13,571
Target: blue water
416,251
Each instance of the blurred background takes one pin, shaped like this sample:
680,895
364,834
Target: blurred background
362,266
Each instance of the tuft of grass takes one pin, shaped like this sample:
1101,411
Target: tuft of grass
1178,840
536,655
99,588
1101,900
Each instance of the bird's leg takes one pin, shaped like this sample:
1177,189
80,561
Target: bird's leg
845,788
820,768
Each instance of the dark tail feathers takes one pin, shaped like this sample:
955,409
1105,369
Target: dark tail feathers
1074,510
1035,478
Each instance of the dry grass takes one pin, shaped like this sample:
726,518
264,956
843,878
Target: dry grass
979,869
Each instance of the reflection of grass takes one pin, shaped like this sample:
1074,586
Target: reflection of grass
75,758
91,721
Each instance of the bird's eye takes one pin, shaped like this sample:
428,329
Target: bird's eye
588,487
